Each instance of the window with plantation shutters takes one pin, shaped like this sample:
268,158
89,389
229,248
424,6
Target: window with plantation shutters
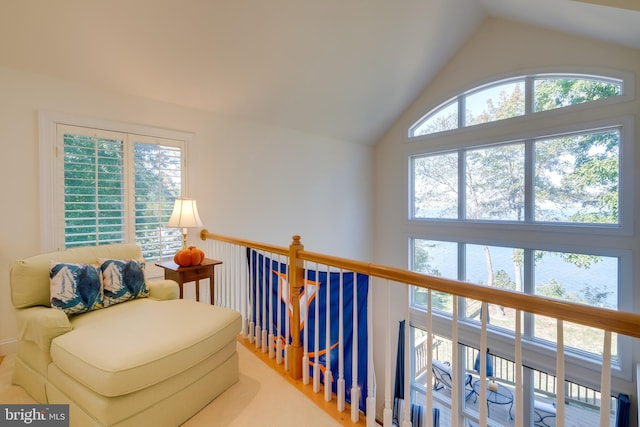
93,190
158,177
118,187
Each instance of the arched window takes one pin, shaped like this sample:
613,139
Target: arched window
505,99
539,202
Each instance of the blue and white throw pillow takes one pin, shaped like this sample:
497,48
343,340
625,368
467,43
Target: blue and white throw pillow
76,288
123,280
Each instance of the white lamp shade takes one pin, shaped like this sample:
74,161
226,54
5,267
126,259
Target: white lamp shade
184,215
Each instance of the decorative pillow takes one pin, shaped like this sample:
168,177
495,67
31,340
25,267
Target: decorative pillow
123,280
76,288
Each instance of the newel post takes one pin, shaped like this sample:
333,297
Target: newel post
296,284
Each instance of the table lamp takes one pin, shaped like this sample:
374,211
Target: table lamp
184,215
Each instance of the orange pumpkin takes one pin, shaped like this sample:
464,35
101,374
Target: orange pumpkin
188,256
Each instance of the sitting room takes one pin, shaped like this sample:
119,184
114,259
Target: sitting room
289,118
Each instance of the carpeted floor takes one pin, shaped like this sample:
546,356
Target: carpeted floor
262,397
10,393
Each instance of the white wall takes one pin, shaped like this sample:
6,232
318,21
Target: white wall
242,174
498,48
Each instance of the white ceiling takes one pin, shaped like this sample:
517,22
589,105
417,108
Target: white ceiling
344,69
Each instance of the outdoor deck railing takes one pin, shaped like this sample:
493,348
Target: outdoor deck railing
504,371
283,340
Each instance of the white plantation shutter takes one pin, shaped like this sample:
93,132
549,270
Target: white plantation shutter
118,187
93,187
158,179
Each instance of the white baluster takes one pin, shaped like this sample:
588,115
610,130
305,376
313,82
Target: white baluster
305,334
270,338
355,390
605,381
371,392
387,415
252,324
341,382
287,326
328,375
407,362
482,399
455,362
266,292
560,374
279,341
429,376
316,337
519,421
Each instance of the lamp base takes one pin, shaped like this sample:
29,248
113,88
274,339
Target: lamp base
184,238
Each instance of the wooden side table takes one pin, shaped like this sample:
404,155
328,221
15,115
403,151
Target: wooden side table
193,273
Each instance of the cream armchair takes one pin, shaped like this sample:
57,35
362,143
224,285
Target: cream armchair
152,360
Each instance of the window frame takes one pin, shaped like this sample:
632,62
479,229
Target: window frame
624,295
569,238
627,87
49,148
626,154
612,240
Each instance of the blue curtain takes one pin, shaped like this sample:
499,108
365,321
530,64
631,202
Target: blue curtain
417,411
399,386
622,417
476,364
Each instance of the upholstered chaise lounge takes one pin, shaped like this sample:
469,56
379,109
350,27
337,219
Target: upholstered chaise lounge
152,360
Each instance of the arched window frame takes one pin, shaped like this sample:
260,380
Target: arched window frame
625,80
616,241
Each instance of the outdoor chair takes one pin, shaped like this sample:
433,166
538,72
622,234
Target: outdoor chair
443,378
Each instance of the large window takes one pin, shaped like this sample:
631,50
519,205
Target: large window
575,179
111,186
526,184
574,277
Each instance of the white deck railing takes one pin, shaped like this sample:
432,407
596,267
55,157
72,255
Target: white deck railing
278,333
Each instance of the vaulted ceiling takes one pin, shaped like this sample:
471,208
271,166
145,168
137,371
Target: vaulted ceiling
344,69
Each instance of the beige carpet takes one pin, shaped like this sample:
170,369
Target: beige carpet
262,397
10,393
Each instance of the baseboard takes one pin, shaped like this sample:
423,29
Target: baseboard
9,346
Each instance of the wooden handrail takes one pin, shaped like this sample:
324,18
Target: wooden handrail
280,250
602,318
624,323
